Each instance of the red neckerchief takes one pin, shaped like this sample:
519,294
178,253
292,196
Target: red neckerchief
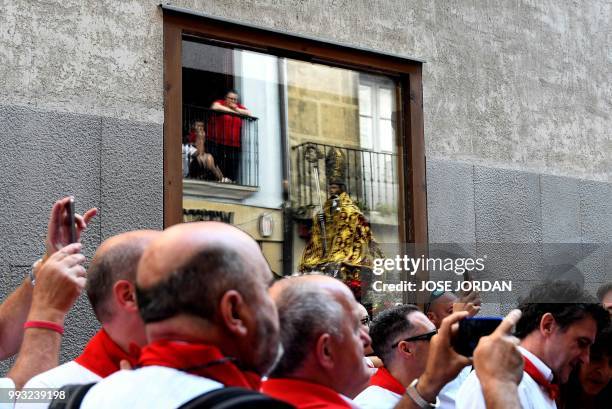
551,389
303,394
102,355
385,380
198,359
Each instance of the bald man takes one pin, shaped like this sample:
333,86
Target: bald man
202,293
111,292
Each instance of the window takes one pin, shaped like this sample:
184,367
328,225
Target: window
265,129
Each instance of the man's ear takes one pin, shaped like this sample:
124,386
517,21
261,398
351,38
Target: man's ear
404,349
432,317
234,313
325,351
125,295
547,324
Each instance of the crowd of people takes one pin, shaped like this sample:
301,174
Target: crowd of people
192,317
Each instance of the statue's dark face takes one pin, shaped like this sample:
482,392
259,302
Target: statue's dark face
334,189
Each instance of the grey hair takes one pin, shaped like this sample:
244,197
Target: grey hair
305,313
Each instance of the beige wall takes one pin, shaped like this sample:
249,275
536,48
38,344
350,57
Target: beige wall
323,104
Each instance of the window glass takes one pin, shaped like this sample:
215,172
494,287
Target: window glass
365,100
249,115
385,102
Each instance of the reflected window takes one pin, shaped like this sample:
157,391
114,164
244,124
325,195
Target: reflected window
248,115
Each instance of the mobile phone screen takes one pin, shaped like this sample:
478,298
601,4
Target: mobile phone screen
470,332
71,221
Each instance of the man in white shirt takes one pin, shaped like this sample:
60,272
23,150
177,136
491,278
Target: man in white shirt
558,325
400,337
202,294
440,305
323,342
110,289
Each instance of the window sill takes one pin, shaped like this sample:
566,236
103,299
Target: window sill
201,188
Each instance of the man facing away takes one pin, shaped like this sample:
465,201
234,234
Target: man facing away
400,337
558,326
111,292
202,293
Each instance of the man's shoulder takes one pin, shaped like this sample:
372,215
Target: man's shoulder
67,373
469,395
532,396
376,397
151,386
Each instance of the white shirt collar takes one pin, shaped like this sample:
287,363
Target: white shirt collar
537,362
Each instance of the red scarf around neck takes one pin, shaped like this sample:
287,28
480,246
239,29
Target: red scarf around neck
551,389
198,359
102,355
385,380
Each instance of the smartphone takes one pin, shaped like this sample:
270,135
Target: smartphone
72,221
470,332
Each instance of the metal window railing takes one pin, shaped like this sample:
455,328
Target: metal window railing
370,177
232,140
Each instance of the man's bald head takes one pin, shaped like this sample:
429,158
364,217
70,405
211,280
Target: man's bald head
116,259
209,281
180,243
191,265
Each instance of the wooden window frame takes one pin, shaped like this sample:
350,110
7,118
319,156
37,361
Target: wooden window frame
412,212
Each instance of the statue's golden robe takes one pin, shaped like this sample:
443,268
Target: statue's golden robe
349,239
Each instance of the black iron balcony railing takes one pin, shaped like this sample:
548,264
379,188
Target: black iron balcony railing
370,177
232,141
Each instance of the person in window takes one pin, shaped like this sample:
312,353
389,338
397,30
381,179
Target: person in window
202,164
225,134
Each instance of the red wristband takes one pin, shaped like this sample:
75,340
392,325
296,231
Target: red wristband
44,325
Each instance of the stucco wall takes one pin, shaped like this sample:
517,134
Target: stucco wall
514,84
113,164
520,85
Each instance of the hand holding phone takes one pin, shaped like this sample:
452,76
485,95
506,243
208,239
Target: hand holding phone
71,221
471,330
65,226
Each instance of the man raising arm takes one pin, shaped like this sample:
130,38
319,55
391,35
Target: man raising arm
497,361
59,282
14,310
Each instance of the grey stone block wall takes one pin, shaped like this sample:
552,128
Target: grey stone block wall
111,164
536,226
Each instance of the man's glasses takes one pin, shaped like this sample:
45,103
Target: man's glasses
422,337
434,296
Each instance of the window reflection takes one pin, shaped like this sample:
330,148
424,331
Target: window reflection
341,141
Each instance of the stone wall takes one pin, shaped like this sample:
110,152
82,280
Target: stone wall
514,92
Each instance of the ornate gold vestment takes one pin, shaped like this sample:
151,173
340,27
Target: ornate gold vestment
349,240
